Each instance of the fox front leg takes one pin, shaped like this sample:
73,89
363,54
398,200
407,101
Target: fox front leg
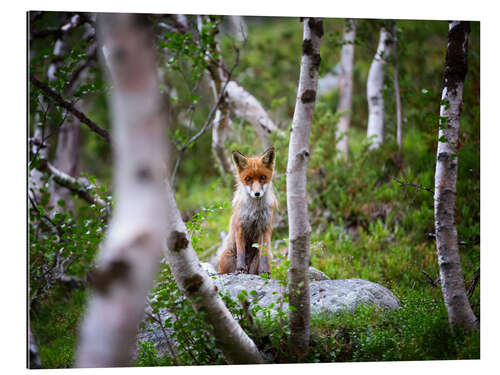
241,266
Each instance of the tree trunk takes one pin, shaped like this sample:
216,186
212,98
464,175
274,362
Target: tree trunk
66,159
374,89
198,287
34,361
452,281
345,87
130,254
298,157
397,93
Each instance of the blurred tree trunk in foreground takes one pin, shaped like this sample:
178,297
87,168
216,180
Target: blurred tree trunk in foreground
345,87
296,181
452,281
130,254
136,238
375,87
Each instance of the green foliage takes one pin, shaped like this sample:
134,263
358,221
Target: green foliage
54,325
418,330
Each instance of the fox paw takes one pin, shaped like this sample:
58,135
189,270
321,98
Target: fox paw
241,270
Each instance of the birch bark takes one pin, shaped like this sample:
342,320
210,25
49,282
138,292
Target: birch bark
298,157
130,254
374,89
452,281
345,87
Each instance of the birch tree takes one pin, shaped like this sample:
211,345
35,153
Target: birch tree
298,158
452,281
345,87
375,86
397,94
130,254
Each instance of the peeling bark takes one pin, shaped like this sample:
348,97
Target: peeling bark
375,86
130,254
345,87
298,157
452,281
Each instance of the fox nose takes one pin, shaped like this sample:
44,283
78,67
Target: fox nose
257,194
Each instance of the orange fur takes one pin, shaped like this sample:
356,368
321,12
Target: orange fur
248,244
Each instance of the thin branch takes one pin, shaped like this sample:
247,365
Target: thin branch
416,186
473,284
157,319
431,280
78,186
51,94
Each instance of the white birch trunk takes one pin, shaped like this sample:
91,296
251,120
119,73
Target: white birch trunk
374,89
199,288
452,281
397,94
298,157
130,254
345,87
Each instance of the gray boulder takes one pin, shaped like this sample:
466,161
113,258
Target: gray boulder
327,296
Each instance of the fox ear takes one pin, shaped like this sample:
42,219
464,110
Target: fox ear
268,157
240,160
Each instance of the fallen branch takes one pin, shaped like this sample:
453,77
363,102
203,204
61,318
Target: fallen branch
55,97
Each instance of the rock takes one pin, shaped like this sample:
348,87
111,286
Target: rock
209,268
314,274
327,296
317,275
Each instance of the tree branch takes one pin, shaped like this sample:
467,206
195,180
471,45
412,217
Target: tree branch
416,186
78,186
55,97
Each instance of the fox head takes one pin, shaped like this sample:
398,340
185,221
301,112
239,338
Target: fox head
256,173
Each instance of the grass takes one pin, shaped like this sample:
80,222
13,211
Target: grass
55,325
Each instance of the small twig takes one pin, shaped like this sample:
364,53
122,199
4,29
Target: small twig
431,280
55,228
472,286
157,319
416,186
49,93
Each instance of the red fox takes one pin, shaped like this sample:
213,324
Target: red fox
247,245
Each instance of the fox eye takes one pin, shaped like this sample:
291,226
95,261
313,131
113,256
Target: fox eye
263,178
248,179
